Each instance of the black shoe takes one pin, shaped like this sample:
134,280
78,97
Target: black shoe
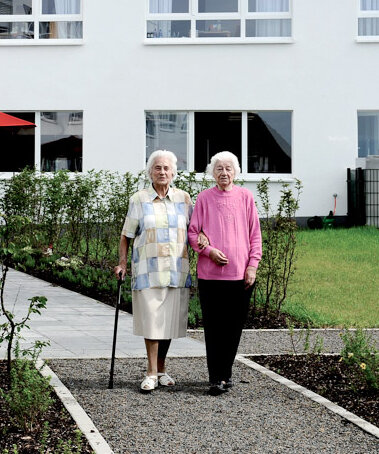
217,388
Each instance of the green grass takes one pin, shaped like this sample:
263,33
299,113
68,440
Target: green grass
336,282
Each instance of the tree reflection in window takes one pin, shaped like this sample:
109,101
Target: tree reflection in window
61,141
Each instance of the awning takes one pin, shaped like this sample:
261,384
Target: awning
9,121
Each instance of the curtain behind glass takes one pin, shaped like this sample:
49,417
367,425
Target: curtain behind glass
369,5
60,6
262,6
368,135
368,26
168,6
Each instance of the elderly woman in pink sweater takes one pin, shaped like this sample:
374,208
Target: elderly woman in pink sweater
226,266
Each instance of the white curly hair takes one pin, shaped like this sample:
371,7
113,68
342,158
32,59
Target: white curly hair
224,156
161,154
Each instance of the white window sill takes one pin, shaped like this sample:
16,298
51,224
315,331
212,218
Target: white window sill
367,39
186,41
41,42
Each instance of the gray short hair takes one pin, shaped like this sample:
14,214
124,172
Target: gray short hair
161,154
224,156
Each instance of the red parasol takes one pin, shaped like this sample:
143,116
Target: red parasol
9,120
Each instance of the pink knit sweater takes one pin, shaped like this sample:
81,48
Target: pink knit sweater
230,221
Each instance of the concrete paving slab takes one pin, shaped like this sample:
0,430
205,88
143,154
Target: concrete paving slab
76,325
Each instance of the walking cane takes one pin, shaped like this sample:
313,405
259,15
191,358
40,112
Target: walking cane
110,385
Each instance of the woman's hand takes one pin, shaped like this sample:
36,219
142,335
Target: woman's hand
118,269
202,241
250,275
218,257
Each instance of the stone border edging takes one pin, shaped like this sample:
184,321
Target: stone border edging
84,422
366,426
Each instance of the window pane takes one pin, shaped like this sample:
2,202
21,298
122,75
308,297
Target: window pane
17,145
262,6
168,6
368,134
269,142
218,28
15,6
215,132
61,141
61,30
167,131
369,5
16,30
268,27
368,26
60,6
218,6
168,29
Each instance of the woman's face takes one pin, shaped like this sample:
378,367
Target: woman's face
224,174
161,172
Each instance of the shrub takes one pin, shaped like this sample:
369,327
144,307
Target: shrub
29,394
279,243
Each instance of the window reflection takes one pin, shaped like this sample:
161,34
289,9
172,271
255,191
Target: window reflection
16,7
269,142
16,30
17,145
61,141
218,6
60,6
167,131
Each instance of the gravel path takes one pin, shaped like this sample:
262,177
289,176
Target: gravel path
256,416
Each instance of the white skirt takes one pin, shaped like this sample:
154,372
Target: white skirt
160,313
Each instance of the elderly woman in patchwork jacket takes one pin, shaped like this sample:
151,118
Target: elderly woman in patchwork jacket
157,222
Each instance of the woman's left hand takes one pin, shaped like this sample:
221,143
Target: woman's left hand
202,241
250,275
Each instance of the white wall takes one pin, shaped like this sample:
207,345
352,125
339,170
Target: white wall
324,77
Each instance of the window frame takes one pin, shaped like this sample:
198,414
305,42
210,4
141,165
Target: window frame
285,177
38,137
38,17
193,16
362,14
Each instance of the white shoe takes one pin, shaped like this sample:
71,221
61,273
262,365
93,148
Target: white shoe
149,383
165,380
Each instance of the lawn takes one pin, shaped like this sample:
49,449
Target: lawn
336,282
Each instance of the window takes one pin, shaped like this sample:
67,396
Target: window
61,141
167,131
218,21
17,145
55,144
269,142
368,20
262,140
368,133
41,20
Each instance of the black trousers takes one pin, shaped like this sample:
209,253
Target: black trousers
225,306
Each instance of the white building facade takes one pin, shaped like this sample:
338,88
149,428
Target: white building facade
289,86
